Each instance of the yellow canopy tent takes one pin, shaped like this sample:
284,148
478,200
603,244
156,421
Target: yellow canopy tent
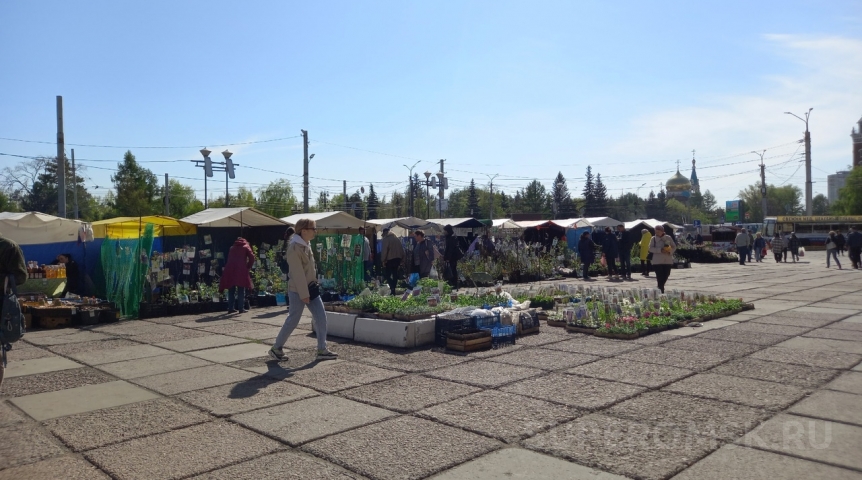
133,227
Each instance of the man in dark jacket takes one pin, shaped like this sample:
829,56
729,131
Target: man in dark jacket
587,252
854,244
611,250
451,256
423,255
625,246
12,261
839,242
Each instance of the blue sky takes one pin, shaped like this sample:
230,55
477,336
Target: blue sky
519,89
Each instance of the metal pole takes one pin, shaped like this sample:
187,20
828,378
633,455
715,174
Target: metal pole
410,209
226,194
809,204
491,193
427,200
75,183
345,195
61,161
305,171
440,204
206,196
167,197
762,184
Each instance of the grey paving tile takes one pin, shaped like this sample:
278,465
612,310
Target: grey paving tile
75,348
545,336
505,416
94,429
127,328
39,365
544,358
168,333
483,373
837,334
771,328
718,347
736,462
853,323
290,465
51,381
799,375
408,361
18,354
821,440
9,415
807,343
152,365
814,358
330,377
594,346
690,415
688,359
692,330
630,371
44,406
77,337
623,446
756,338
520,464
850,382
254,393
576,391
230,353
200,343
25,443
98,357
72,468
408,393
182,453
312,418
798,320
746,391
831,405
206,322
406,448
651,340
193,379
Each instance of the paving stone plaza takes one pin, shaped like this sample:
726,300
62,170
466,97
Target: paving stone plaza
771,393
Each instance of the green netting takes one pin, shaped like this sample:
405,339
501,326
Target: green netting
340,265
124,263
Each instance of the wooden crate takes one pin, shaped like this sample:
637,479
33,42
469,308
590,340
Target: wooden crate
54,322
468,342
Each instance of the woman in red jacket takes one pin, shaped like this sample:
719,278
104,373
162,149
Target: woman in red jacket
236,278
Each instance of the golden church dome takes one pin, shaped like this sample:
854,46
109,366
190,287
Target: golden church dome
677,183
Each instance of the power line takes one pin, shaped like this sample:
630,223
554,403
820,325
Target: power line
160,147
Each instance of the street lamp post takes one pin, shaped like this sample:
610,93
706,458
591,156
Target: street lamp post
427,202
440,200
808,203
491,196
637,190
762,183
207,173
410,211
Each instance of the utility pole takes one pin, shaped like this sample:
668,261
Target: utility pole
410,211
809,207
75,183
167,197
345,195
61,161
442,177
491,194
762,184
304,171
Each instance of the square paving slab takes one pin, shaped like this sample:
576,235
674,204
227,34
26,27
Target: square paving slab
821,440
251,394
405,448
329,376
408,361
52,381
837,334
193,379
256,334
520,464
545,336
771,328
43,406
169,333
231,353
205,322
850,382
89,430
544,358
806,320
75,348
39,365
26,443
847,324
182,453
829,345
73,468
704,326
594,346
9,415
799,375
77,337
282,465
746,391
305,420
690,415
623,446
409,393
631,371
200,343
831,405
483,373
736,462
814,358
501,415
575,391
29,353
152,365
688,359
98,357
718,347
742,336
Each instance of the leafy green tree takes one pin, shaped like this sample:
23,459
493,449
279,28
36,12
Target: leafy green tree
627,207
35,185
783,200
373,203
849,200
6,204
398,205
137,189
356,205
708,203
820,205
277,198
183,200
243,197
472,199
536,199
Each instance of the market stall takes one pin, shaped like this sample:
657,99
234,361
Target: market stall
404,226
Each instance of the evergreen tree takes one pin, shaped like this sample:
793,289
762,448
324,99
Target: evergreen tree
589,194
373,203
137,189
517,201
355,205
504,203
398,204
708,204
652,205
472,200
661,205
601,197
559,196
536,199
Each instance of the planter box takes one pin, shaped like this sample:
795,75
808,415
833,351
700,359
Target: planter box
618,336
386,316
339,324
391,333
576,329
556,323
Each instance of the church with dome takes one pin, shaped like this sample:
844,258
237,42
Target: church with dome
680,188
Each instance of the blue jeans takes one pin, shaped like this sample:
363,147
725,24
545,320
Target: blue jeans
296,307
832,253
239,293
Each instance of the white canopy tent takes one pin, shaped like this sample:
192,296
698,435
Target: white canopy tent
572,223
532,223
232,217
506,223
328,220
603,222
651,223
34,228
402,227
